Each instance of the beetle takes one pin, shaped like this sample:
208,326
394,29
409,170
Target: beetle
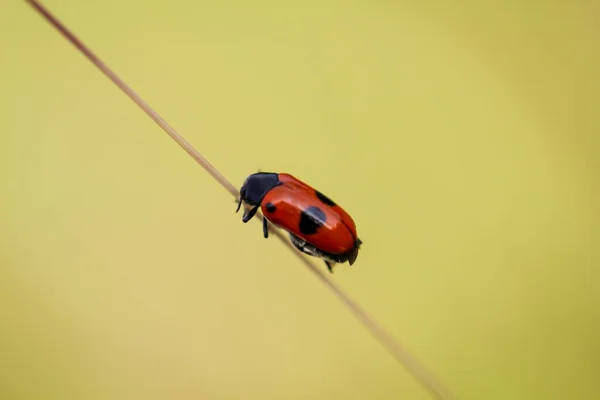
316,225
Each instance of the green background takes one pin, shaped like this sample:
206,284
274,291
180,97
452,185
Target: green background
461,136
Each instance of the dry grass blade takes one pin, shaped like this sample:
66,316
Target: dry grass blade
426,378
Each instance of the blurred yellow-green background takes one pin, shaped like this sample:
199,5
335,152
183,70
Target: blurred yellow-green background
461,136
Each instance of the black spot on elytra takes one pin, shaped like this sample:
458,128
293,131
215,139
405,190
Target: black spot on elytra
324,198
270,207
311,220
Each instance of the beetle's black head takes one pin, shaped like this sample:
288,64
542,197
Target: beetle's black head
256,187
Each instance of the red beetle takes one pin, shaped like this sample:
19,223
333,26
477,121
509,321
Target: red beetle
316,225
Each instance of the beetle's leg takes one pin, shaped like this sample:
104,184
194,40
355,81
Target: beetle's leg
329,266
248,216
265,227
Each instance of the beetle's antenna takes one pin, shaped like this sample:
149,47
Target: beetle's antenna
425,377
